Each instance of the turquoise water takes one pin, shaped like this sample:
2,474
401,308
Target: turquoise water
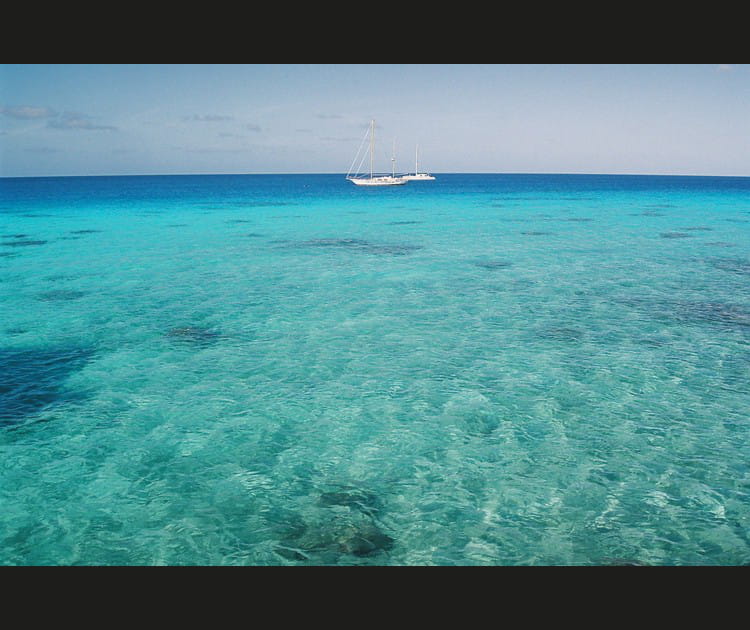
479,370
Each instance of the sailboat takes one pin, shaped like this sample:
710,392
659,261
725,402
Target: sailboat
417,176
374,180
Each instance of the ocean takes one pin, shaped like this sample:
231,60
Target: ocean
292,370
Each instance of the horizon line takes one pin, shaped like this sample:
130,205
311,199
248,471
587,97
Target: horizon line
344,174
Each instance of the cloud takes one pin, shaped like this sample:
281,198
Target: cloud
724,67
207,118
74,120
329,116
28,112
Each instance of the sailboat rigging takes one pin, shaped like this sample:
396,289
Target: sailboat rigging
417,176
373,179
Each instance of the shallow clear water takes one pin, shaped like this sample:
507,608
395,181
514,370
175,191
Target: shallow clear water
483,369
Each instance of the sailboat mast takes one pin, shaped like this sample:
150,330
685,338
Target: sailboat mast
416,160
393,159
372,143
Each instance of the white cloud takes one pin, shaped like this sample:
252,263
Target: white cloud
74,120
724,67
28,112
207,118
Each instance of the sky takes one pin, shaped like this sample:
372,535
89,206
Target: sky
122,119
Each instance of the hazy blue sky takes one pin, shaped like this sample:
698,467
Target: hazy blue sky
149,119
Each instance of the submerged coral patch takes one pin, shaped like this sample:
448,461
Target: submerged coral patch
675,235
327,538
193,335
358,245
84,231
724,314
647,213
32,380
493,264
714,313
735,265
61,295
22,243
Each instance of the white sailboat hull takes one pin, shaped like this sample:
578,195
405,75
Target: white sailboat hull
377,181
418,177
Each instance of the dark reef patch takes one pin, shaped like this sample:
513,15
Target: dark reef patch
22,243
721,244
358,245
331,538
647,213
535,233
32,380
720,313
16,235
675,235
734,265
85,231
193,335
60,295
578,219
698,228
723,314
175,225
493,264
253,235
239,221
405,222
